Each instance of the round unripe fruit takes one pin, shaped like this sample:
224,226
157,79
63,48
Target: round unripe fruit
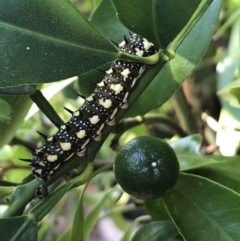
146,167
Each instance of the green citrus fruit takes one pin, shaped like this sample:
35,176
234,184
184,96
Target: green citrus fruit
146,167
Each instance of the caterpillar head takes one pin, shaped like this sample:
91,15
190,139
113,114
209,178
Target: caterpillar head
137,45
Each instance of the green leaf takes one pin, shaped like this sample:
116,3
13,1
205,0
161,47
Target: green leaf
19,90
186,59
85,86
65,236
6,190
78,221
154,19
5,111
204,210
18,228
188,144
47,41
92,217
19,105
156,231
225,171
127,235
230,91
235,91
104,18
187,151
157,209
5,195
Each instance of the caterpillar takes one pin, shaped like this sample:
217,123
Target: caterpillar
98,109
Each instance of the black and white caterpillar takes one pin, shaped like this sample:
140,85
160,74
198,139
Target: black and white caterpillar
98,109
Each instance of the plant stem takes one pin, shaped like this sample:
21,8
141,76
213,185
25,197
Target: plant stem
183,111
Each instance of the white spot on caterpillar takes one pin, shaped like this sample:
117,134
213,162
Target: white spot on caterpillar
81,134
117,88
38,150
41,163
122,44
94,120
39,171
76,113
105,103
65,146
101,84
139,52
89,98
50,138
154,164
109,71
146,44
52,158
125,73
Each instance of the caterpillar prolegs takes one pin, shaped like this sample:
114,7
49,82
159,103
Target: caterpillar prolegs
98,109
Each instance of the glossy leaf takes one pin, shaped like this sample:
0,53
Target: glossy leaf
204,210
46,41
156,231
15,229
175,71
154,19
104,18
225,171
19,90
